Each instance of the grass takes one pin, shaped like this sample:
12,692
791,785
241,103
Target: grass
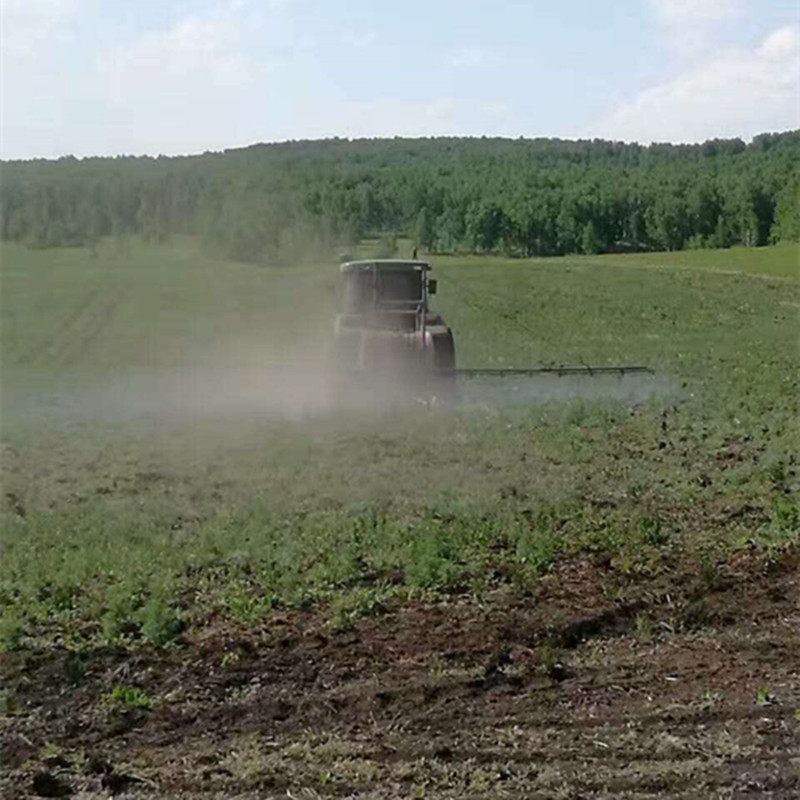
125,522
779,261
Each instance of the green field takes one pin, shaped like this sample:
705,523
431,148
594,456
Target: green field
134,424
782,261
174,474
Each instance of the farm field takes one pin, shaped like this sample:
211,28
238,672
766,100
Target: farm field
216,580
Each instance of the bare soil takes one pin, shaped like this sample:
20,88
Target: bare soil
683,685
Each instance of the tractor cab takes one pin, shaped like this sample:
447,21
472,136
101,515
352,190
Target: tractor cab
367,287
385,324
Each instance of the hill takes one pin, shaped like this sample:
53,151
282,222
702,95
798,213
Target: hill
284,202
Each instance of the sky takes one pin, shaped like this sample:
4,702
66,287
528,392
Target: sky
103,77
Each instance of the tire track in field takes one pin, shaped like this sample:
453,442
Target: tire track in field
89,327
34,354
71,339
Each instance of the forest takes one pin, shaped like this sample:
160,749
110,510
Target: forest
275,203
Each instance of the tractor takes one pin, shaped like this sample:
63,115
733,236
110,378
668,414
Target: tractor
386,330
386,335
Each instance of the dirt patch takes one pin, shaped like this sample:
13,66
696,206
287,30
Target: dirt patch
584,689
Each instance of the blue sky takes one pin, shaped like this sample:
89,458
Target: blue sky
94,77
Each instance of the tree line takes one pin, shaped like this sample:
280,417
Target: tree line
518,197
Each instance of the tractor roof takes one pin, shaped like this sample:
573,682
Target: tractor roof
383,263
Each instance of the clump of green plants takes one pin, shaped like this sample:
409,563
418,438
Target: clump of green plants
135,611
128,698
786,518
12,630
433,558
246,600
653,532
552,660
764,697
347,608
161,621
121,615
75,667
778,473
537,546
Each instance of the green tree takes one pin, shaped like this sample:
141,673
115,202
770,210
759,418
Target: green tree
424,234
590,243
786,227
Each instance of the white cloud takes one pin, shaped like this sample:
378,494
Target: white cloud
190,86
691,26
782,43
195,55
27,25
738,92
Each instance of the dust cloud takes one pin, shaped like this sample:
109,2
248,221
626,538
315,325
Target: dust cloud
273,363
298,386
496,391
